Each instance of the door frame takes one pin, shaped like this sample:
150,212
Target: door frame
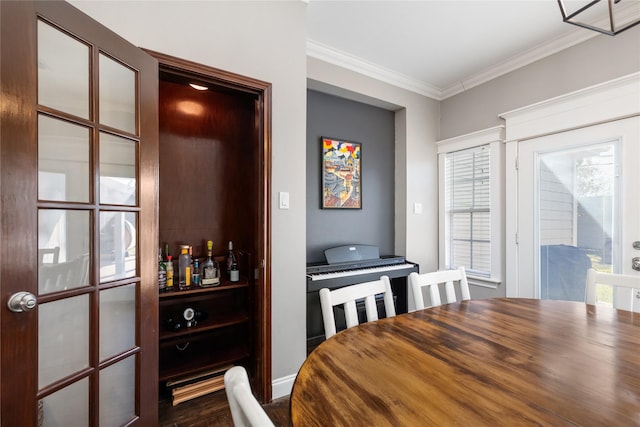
261,369
606,102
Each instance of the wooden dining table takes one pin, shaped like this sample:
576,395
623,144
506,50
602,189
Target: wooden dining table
492,362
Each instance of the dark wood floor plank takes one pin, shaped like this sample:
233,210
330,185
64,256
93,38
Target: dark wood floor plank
212,410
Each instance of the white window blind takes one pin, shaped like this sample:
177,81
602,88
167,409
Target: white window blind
468,210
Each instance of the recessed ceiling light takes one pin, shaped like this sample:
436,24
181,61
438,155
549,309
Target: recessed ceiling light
198,87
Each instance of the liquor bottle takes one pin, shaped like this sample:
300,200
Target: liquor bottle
210,270
195,275
191,263
234,273
169,266
162,273
231,258
184,268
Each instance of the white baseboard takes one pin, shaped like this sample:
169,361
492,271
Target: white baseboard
282,387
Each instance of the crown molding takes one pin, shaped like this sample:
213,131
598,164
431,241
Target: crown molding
572,38
342,59
350,62
518,61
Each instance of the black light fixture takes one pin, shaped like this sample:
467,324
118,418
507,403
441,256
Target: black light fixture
609,17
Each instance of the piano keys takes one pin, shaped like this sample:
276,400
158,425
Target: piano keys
349,275
348,268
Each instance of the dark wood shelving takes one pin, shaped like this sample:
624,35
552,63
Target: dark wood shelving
210,323
214,151
203,362
225,286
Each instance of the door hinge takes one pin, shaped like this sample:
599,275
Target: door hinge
517,239
516,163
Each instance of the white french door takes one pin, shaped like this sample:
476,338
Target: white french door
578,207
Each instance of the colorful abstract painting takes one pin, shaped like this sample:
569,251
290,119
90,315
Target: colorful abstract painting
341,174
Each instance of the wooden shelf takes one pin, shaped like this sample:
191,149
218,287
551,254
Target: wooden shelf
203,362
209,324
225,286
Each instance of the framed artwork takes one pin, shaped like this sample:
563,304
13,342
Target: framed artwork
341,174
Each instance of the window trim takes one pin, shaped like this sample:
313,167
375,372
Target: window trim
494,137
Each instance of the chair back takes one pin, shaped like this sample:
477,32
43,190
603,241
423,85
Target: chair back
347,297
246,411
626,289
432,281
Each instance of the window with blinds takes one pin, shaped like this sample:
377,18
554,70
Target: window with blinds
467,210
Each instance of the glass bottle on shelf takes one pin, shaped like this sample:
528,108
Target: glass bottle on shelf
195,275
184,268
210,270
162,273
169,266
234,273
231,259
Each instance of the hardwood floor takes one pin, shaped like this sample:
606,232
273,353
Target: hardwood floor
213,410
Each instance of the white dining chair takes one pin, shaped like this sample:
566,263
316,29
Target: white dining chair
626,289
432,280
347,297
246,411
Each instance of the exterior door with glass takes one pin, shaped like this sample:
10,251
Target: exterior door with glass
78,186
578,208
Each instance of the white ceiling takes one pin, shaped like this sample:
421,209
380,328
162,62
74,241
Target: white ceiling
435,47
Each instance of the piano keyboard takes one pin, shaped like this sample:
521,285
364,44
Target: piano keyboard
350,273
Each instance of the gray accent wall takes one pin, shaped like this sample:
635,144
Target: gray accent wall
373,127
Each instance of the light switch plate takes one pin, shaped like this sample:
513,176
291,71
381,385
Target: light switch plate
283,200
417,208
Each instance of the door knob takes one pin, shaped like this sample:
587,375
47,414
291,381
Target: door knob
635,263
21,302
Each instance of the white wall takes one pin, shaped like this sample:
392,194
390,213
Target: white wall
266,41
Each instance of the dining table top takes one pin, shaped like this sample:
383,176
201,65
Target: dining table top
485,362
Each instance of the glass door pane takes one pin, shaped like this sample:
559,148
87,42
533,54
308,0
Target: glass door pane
66,407
63,160
576,197
63,71
117,320
117,170
117,393
117,95
63,345
63,249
